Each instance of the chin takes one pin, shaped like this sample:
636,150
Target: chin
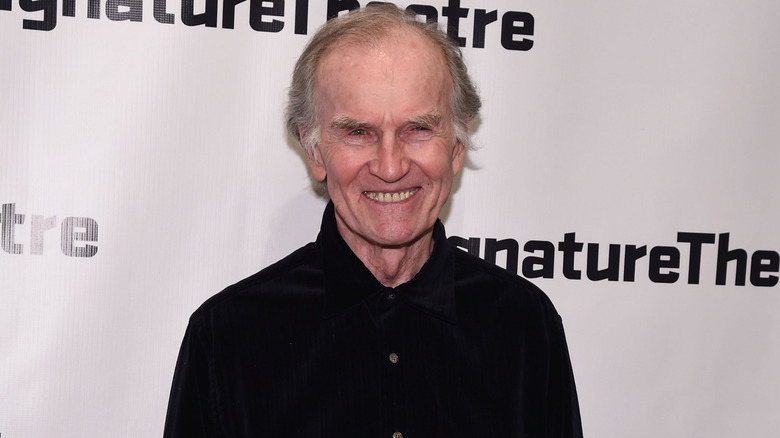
397,239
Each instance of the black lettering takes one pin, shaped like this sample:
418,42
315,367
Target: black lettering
49,8
481,19
135,12
664,257
509,29
190,18
39,225
5,5
431,14
229,13
632,255
696,240
512,248
68,8
471,246
454,13
724,257
160,12
70,236
93,9
612,271
546,261
568,247
257,11
10,220
301,17
337,6
758,266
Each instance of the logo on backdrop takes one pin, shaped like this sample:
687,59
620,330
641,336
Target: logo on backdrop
516,28
663,262
77,234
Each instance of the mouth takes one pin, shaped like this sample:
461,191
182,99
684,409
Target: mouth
391,197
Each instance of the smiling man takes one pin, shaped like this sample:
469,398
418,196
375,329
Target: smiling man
379,328
387,149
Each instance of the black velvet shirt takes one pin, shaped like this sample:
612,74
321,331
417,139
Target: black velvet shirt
315,346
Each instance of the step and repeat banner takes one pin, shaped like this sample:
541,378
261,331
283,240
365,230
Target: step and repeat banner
629,165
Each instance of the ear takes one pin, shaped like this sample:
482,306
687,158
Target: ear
458,153
316,164
313,158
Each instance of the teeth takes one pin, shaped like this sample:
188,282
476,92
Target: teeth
390,197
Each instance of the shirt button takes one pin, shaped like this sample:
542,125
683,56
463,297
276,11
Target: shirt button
393,358
398,435
390,296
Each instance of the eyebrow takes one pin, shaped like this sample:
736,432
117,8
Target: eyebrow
429,120
347,123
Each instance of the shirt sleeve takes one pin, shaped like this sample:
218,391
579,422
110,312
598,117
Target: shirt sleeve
563,412
191,411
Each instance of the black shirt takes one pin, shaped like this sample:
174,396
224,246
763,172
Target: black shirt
315,346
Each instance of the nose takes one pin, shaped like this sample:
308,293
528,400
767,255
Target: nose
390,163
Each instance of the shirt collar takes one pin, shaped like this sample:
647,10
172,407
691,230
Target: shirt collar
348,281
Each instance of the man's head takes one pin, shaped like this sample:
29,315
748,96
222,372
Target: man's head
365,27
381,103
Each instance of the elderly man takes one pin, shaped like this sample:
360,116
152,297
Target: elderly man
380,328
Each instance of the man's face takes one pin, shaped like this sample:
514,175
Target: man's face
387,145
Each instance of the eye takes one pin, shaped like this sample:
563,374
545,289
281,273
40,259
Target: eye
417,133
359,136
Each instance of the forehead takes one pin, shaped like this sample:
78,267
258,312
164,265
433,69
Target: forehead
402,67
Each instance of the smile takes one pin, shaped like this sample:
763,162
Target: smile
391,197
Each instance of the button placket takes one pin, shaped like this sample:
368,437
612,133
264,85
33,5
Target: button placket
387,307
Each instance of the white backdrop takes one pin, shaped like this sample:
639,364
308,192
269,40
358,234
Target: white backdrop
161,146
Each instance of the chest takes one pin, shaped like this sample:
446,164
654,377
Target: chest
378,367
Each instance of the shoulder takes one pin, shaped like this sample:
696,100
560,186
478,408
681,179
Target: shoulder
482,274
296,275
482,283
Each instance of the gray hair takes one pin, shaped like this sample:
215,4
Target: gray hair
368,26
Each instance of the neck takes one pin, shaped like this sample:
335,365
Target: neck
393,265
